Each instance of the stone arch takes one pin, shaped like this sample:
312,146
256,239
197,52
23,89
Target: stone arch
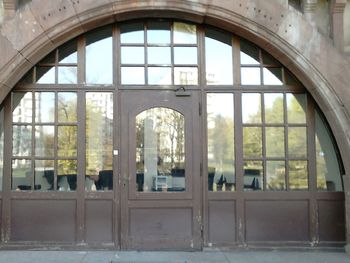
39,26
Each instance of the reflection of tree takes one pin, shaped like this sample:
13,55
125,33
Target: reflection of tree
168,125
252,142
275,114
67,135
221,141
99,137
296,108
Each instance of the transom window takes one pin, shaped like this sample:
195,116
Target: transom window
263,130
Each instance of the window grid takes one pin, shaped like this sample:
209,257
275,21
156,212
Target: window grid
34,157
287,85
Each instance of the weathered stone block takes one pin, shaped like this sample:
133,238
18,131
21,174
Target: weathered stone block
22,28
57,18
7,51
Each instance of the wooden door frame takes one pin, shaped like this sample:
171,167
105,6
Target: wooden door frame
191,198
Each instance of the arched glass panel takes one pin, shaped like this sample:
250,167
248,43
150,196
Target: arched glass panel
160,150
218,57
185,33
327,164
158,33
261,99
99,57
61,66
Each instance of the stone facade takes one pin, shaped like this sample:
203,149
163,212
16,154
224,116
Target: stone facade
310,47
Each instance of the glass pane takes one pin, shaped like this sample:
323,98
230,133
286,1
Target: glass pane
1,146
274,142
220,121
296,108
158,33
327,163
67,75
250,76
275,175
22,107
49,59
132,55
160,150
272,76
67,141
297,144
22,140
159,55
44,175
99,57
133,75
185,33
28,77
253,175
21,174
218,58
99,141
185,55
159,76
252,142
274,107
67,107
44,140
44,107
67,175
185,76
132,33
298,175
68,53
249,53
251,108
269,60
291,79
45,75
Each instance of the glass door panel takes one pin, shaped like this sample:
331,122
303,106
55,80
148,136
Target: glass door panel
160,150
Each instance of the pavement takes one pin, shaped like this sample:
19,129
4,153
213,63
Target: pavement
248,256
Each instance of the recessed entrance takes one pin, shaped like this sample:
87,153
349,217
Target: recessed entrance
161,134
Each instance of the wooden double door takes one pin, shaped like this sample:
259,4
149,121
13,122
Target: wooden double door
160,165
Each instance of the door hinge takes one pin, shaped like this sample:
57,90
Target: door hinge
201,169
200,109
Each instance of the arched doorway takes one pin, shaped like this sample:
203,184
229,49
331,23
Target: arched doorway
166,132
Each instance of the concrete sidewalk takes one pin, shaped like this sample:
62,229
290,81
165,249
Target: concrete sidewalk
273,256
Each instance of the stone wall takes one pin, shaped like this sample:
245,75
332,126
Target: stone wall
39,26
347,28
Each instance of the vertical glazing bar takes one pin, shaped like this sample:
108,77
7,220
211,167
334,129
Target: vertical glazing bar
240,217
6,187
81,117
236,61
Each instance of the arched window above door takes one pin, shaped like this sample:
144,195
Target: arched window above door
272,131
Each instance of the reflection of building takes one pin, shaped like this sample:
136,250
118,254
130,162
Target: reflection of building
294,202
